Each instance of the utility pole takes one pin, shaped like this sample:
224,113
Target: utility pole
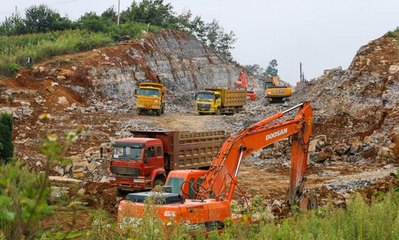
301,74
119,10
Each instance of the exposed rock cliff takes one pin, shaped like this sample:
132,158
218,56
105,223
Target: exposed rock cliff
178,60
349,103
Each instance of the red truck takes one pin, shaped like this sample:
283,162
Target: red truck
142,162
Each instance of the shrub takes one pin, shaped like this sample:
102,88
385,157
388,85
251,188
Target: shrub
7,147
24,194
19,186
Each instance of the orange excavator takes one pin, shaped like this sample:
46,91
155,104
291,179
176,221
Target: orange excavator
212,190
241,83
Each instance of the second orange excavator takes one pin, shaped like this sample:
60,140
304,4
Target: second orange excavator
241,84
275,93
213,189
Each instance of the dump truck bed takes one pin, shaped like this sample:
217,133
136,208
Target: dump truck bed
187,150
231,98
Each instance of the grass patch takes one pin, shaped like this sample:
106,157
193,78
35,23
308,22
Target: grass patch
14,50
359,220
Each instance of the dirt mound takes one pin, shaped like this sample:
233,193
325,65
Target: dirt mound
101,195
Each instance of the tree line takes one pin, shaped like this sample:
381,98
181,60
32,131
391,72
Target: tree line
42,19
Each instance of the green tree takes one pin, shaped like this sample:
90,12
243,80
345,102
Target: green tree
43,19
219,40
184,22
92,22
110,14
13,25
271,70
153,12
225,44
199,29
7,147
255,69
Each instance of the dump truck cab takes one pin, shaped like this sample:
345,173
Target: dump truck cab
137,163
208,102
220,101
151,98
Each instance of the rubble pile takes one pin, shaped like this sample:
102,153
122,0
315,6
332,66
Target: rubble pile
349,107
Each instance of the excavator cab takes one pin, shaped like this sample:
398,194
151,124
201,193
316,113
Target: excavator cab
185,182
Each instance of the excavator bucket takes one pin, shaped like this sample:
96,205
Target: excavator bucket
309,200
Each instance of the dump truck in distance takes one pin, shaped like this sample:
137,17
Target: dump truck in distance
220,101
151,98
142,162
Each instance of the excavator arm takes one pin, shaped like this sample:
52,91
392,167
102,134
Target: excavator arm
257,136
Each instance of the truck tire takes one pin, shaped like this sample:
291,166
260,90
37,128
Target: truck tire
138,111
217,111
163,109
120,192
158,181
158,112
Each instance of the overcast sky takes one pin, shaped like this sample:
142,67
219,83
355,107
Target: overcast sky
321,34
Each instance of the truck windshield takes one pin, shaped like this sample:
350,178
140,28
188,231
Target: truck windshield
149,92
205,96
128,153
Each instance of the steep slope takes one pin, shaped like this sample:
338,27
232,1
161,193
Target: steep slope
349,104
178,60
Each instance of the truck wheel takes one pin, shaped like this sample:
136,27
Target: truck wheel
159,181
217,111
158,112
138,111
163,109
120,192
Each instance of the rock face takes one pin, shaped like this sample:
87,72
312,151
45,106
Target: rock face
348,103
176,59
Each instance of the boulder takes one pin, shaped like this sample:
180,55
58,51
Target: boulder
356,146
61,77
63,100
342,149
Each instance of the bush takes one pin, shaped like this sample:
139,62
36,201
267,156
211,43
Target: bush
7,147
133,30
24,194
19,186
12,67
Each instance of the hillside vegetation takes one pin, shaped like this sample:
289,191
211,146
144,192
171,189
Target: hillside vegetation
14,50
43,33
394,33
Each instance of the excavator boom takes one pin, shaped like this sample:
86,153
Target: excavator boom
258,136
